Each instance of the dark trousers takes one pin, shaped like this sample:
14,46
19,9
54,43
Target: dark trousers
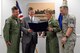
28,48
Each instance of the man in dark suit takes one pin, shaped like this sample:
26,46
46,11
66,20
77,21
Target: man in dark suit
29,39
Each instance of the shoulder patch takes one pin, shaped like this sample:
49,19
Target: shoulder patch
7,20
72,17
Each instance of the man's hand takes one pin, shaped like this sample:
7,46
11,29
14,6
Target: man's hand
29,30
50,29
63,40
8,43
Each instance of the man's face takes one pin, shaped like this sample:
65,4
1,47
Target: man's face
31,13
63,11
16,13
48,15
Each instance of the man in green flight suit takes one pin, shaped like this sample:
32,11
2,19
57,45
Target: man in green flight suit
11,31
51,39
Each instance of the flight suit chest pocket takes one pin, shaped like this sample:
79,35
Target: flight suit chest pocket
27,25
14,24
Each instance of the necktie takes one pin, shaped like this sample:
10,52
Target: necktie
31,19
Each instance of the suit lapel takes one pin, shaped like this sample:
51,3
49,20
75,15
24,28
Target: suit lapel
28,19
